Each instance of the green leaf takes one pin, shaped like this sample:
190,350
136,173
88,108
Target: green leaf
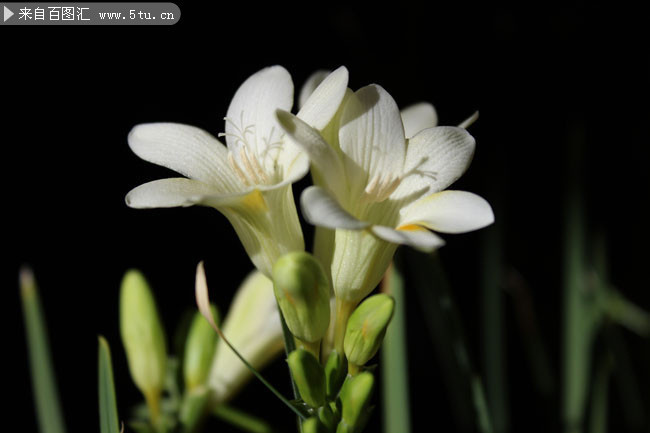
394,358
48,407
444,324
599,395
108,419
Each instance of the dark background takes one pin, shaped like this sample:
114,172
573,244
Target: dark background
539,77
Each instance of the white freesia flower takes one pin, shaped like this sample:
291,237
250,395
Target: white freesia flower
249,180
379,188
252,326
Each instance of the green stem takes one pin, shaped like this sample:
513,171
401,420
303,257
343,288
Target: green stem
242,420
343,311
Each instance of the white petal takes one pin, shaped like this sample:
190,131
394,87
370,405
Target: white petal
450,212
416,237
418,117
172,192
187,150
435,158
250,121
372,137
321,209
323,157
310,85
325,100
253,327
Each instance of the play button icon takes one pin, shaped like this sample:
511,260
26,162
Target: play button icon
8,14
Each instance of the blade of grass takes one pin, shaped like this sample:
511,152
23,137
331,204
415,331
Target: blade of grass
445,328
580,304
48,407
394,357
493,329
108,419
599,396
242,420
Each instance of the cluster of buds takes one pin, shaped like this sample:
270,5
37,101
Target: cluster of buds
335,394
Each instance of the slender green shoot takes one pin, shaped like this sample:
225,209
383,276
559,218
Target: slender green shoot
48,407
108,418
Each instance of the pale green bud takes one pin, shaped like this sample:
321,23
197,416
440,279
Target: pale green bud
143,336
355,399
366,328
328,417
309,377
302,291
313,425
199,350
335,370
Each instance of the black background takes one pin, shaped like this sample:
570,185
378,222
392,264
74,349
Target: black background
538,76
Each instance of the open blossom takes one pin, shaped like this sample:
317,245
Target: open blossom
248,180
378,186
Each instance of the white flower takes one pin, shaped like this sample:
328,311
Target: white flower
378,188
252,326
249,181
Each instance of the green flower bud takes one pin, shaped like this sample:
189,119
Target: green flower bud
302,291
335,371
308,376
327,417
313,425
355,399
199,350
143,337
366,328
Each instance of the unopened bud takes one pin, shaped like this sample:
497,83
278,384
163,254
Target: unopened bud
199,350
366,328
143,336
313,425
308,376
355,399
335,370
328,418
302,291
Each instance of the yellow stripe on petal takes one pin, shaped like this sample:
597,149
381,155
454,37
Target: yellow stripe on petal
255,201
410,228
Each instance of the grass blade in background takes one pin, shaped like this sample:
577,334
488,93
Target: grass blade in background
599,396
394,358
463,385
48,408
494,350
579,307
108,419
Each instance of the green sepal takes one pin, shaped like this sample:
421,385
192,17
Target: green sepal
355,396
143,337
303,294
313,425
199,350
193,409
327,417
366,328
309,377
335,372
